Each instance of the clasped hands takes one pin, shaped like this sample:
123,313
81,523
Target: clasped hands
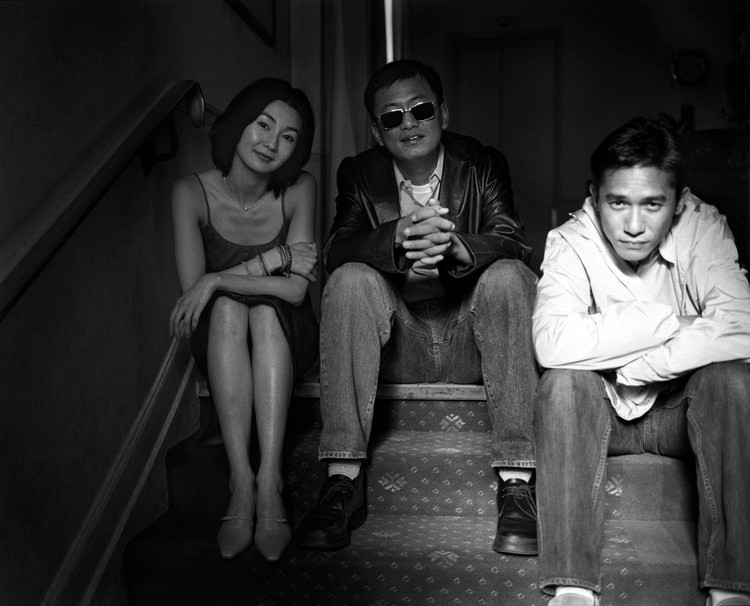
426,235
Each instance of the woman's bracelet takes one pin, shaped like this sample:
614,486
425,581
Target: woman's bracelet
286,259
262,264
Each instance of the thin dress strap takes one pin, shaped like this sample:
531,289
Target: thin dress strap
205,199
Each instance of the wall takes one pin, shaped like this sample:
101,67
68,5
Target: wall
614,63
81,348
72,72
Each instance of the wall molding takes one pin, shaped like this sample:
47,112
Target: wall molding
90,552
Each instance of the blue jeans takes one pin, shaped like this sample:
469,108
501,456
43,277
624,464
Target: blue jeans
706,415
369,333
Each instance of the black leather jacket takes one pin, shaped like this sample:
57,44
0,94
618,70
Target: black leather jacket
475,187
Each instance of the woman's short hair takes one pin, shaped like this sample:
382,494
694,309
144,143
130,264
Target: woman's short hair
244,109
403,69
641,142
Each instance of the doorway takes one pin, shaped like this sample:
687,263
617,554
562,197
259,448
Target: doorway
503,91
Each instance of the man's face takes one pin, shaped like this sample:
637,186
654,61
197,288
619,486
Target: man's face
412,140
636,207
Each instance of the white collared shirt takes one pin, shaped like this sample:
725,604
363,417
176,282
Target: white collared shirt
593,312
425,283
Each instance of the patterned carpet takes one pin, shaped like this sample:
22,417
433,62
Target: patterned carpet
428,537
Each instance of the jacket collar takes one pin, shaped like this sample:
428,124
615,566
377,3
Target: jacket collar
381,181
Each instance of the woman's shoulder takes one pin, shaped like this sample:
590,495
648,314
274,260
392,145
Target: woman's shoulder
189,192
195,183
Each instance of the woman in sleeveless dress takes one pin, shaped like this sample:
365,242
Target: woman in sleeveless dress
245,255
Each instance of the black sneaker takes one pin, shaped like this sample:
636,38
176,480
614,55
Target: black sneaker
516,518
340,509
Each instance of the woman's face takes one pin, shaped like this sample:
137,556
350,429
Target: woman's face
268,141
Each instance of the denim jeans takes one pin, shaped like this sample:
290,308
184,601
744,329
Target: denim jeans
368,332
706,415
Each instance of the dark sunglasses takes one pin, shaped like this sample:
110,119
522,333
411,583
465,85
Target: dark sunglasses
424,110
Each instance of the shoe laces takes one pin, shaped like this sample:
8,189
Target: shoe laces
343,487
522,496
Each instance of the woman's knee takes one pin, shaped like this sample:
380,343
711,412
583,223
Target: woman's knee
228,318
264,323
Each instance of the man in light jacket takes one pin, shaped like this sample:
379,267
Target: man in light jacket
642,305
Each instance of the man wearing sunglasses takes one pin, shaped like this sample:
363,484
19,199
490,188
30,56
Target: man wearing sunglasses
428,284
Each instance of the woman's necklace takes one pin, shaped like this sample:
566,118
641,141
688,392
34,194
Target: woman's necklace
249,207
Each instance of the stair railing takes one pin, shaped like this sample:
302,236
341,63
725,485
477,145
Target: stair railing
26,253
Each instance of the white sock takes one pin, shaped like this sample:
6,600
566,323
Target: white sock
518,473
581,591
350,469
717,595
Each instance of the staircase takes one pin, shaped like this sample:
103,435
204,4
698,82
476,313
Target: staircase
431,521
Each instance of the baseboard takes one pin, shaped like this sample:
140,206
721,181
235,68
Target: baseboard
90,552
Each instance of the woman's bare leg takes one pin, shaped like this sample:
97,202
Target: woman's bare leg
272,386
231,378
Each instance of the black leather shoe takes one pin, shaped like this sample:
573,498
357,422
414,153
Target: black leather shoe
516,519
340,509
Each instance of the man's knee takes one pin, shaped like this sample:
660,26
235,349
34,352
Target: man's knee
352,280
563,394
734,374
508,278
728,384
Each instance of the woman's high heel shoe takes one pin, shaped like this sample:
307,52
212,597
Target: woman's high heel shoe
235,539
272,537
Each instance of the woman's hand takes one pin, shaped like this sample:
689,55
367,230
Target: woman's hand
190,305
305,260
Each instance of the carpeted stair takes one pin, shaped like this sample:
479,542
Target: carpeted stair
431,522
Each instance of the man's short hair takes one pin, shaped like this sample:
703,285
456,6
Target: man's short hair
403,69
641,142
244,109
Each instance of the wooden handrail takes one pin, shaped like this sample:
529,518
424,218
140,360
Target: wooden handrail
24,255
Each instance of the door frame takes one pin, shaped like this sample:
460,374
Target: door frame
505,39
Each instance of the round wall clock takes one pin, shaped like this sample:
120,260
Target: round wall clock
690,68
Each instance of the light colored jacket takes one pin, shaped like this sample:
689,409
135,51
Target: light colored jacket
593,312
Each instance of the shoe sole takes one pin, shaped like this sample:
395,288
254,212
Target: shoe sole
328,542
517,546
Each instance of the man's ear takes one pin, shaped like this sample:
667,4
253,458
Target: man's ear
593,193
444,114
376,133
681,200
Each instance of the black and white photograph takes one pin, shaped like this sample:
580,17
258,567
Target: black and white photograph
374,303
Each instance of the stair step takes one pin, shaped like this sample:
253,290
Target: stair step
413,559
432,473
310,388
405,415
417,406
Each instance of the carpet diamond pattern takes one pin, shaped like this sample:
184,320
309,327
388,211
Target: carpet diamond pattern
431,522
